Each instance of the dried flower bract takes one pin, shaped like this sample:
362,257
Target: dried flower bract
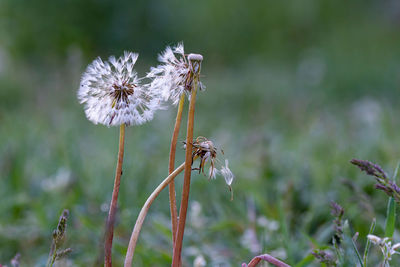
205,150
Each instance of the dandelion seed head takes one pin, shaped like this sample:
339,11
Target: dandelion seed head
112,93
174,76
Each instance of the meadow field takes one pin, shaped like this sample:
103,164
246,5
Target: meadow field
294,91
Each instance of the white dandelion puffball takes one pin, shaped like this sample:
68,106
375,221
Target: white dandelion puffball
174,76
112,94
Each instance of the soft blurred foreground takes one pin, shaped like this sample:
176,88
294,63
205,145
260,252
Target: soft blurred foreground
294,91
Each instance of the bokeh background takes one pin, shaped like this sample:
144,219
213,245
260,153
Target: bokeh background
295,89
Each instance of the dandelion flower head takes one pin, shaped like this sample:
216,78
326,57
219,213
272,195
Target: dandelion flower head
112,94
175,75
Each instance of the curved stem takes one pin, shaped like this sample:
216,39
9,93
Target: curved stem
143,213
176,259
268,258
113,206
171,166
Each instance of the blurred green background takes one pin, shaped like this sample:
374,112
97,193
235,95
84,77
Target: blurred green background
295,89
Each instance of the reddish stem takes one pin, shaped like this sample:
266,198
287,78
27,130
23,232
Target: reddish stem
113,206
265,257
171,166
176,258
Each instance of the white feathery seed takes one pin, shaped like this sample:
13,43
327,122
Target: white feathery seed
212,172
227,173
112,94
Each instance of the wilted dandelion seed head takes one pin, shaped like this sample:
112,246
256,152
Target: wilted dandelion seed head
112,93
208,154
174,76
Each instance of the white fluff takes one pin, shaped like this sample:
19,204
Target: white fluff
170,78
112,94
227,173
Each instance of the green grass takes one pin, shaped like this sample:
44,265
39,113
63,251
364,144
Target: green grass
290,113
289,149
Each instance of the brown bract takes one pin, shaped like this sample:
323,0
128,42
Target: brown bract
205,150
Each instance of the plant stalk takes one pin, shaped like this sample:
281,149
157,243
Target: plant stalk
176,259
171,166
52,256
143,213
268,258
113,206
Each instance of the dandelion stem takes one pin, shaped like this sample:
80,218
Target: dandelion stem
113,206
172,194
176,259
143,213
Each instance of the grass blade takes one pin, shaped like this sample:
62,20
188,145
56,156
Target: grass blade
348,249
357,253
305,261
396,171
368,244
390,218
